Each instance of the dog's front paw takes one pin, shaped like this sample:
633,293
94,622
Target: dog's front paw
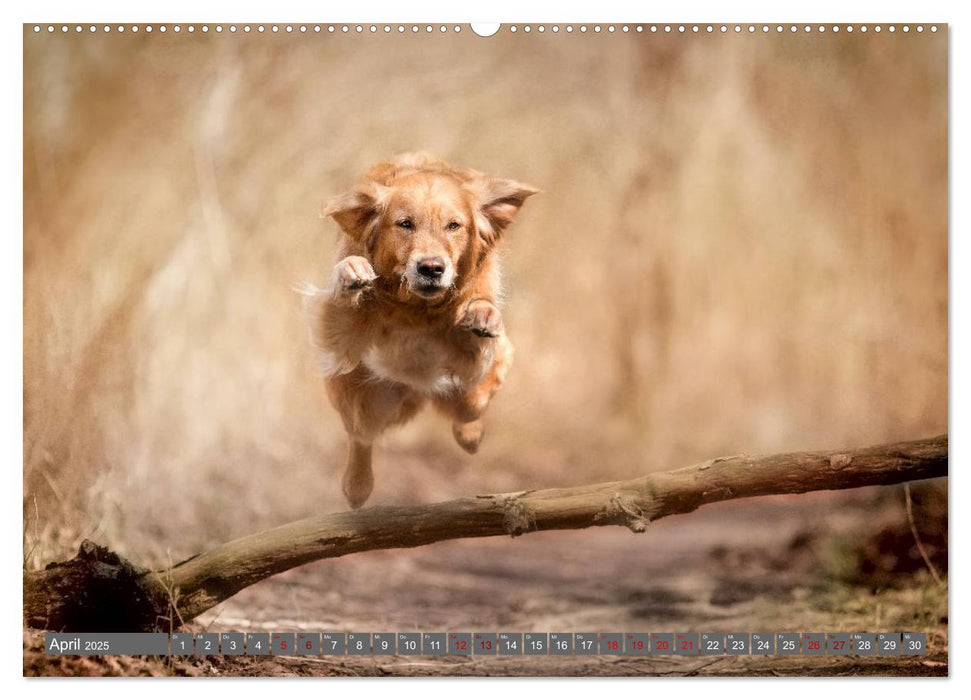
483,319
355,273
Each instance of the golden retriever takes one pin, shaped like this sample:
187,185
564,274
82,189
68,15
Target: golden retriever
412,314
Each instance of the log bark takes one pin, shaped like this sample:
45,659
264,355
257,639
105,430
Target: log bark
60,597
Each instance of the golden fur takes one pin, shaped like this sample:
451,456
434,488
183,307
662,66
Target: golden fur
412,312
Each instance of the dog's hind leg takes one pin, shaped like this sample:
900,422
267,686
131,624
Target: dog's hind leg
358,480
368,407
466,409
468,435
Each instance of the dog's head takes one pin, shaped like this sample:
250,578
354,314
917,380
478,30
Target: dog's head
427,227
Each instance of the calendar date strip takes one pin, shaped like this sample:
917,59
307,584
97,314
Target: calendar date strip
488,644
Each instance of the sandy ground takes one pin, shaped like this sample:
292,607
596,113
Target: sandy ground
687,573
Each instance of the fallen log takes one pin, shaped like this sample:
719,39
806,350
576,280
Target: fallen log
97,590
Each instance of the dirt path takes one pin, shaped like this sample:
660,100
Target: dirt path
724,568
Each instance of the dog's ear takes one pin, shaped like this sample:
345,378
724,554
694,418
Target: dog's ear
356,210
499,202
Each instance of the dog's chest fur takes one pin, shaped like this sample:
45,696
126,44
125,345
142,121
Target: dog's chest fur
427,361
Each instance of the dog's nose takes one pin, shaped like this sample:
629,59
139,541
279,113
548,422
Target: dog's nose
431,267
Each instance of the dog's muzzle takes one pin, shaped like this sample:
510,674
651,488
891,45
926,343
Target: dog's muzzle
430,277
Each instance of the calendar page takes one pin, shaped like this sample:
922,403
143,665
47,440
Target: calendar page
519,349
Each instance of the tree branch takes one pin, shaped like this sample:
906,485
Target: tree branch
203,581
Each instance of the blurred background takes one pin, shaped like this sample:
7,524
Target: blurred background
740,246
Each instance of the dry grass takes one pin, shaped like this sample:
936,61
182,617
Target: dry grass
741,245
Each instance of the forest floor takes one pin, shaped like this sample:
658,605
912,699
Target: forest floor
765,565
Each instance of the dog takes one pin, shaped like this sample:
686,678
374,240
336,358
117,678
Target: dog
412,314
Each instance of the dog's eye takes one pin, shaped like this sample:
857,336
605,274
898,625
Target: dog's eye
453,226
407,224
